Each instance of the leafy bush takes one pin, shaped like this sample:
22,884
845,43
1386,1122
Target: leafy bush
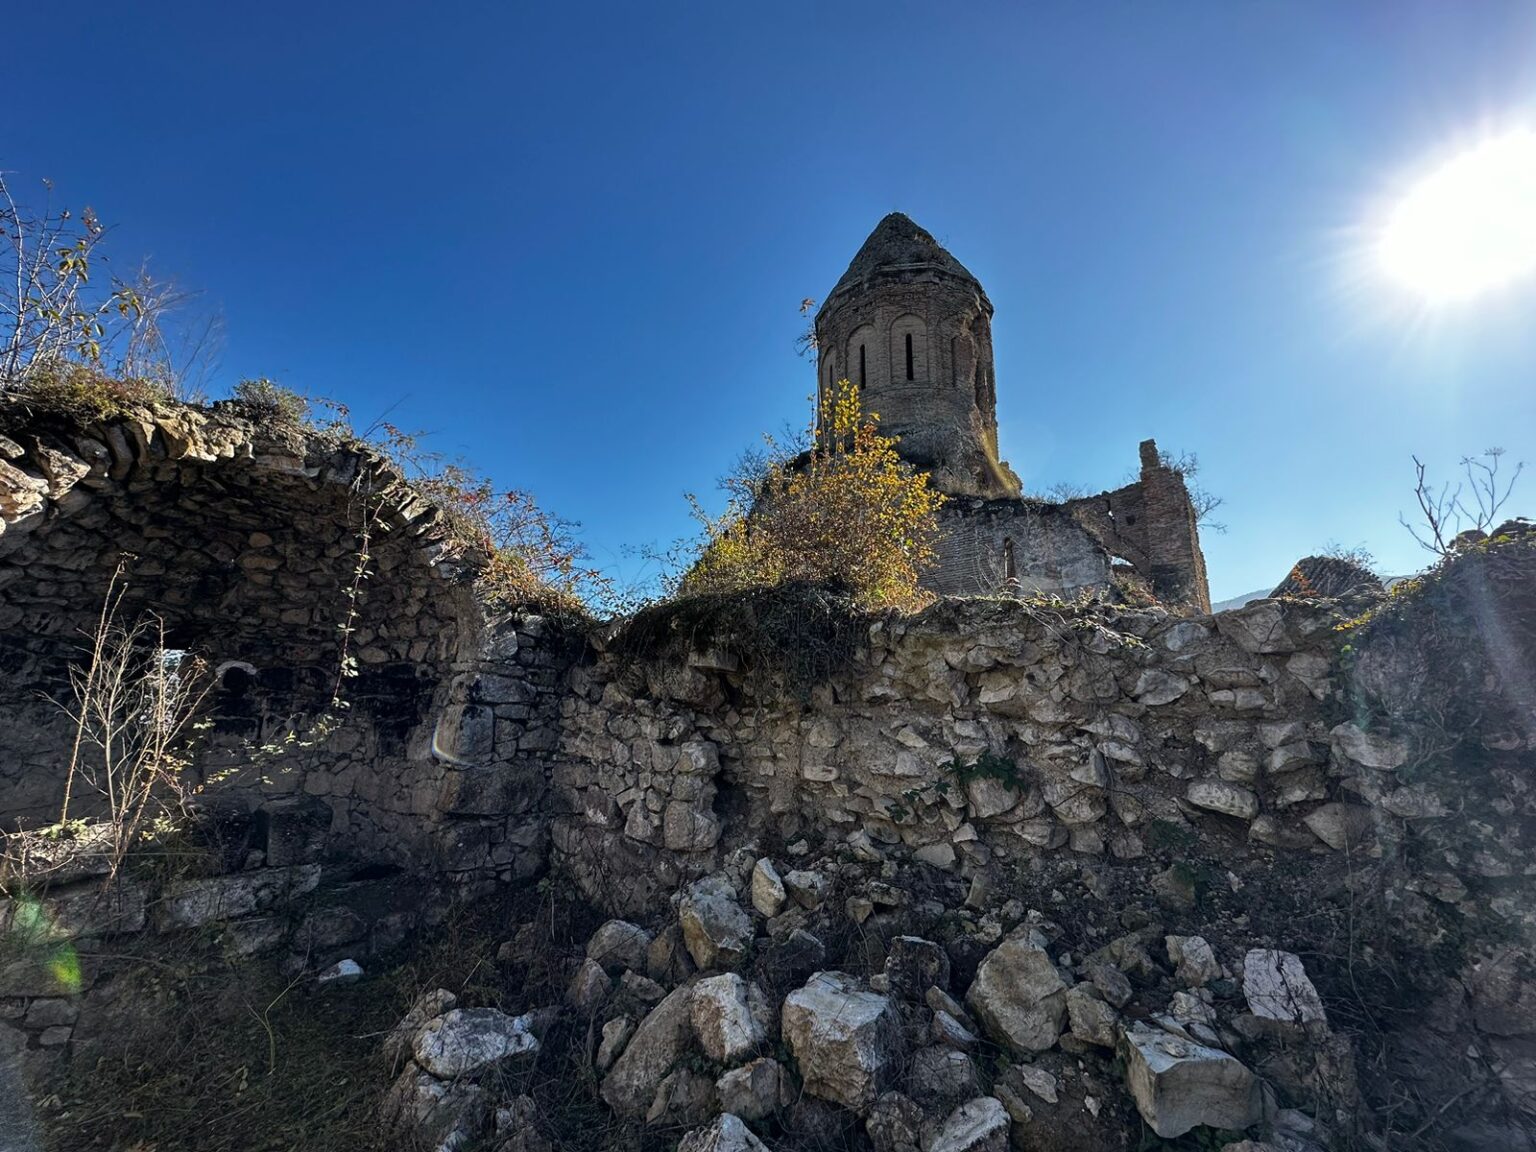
850,512
267,400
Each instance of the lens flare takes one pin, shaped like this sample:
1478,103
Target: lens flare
1469,227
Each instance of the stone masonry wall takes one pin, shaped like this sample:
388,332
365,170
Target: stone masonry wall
244,540
1128,775
992,546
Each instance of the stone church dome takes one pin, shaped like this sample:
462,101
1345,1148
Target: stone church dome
899,245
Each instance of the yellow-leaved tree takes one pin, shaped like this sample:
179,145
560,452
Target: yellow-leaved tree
849,512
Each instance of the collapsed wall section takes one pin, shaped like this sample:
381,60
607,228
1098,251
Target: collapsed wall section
346,655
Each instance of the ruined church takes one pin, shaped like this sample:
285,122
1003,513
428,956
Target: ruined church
912,327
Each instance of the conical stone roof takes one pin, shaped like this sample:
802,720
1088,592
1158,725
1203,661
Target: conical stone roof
898,244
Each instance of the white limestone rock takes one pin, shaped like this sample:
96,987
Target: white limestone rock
588,988
1194,960
1092,1020
1219,796
727,1134
723,1019
435,1115
465,1040
1179,1085
979,1125
715,929
1344,826
1018,997
846,1039
1278,989
659,1042
808,888
1367,749
428,1006
768,894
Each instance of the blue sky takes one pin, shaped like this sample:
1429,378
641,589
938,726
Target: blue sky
570,240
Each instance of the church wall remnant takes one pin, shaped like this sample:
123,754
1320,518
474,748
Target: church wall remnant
910,325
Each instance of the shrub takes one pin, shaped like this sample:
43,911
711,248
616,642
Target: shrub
84,394
850,512
268,400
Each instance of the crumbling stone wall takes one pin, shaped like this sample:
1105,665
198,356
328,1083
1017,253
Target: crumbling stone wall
993,547
1153,526
247,542
1213,776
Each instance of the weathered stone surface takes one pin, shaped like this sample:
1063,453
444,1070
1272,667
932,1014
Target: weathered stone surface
1111,983
1503,989
939,1077
618,945
768,894
616,1034
846,1039
1370,750
1276,987
948,1029
1019,997
913,965
727,1134
433,1114
193,903
755,1090
1092,1020
808,888
293,829
588,988
723,1020
1179,1085
979,1125
658,1043
715,928
684,1097
990,796
465,1040
1194,961
894,1123
1037,1081
1219,796
1343,826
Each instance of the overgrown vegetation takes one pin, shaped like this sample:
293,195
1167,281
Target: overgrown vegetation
134,706
788,637
65,315
1454,510
848,513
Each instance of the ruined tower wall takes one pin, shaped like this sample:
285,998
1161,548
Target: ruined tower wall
989,547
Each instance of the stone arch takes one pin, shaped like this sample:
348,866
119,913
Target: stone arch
863,357
245,541
909,350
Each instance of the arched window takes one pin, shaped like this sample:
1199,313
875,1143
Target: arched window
1010,572
909,349
863,364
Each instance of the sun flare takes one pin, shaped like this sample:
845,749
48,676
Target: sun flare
1470,226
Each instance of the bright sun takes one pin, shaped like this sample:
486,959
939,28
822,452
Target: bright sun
1470,226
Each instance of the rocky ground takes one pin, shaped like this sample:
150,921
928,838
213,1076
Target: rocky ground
794,1003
